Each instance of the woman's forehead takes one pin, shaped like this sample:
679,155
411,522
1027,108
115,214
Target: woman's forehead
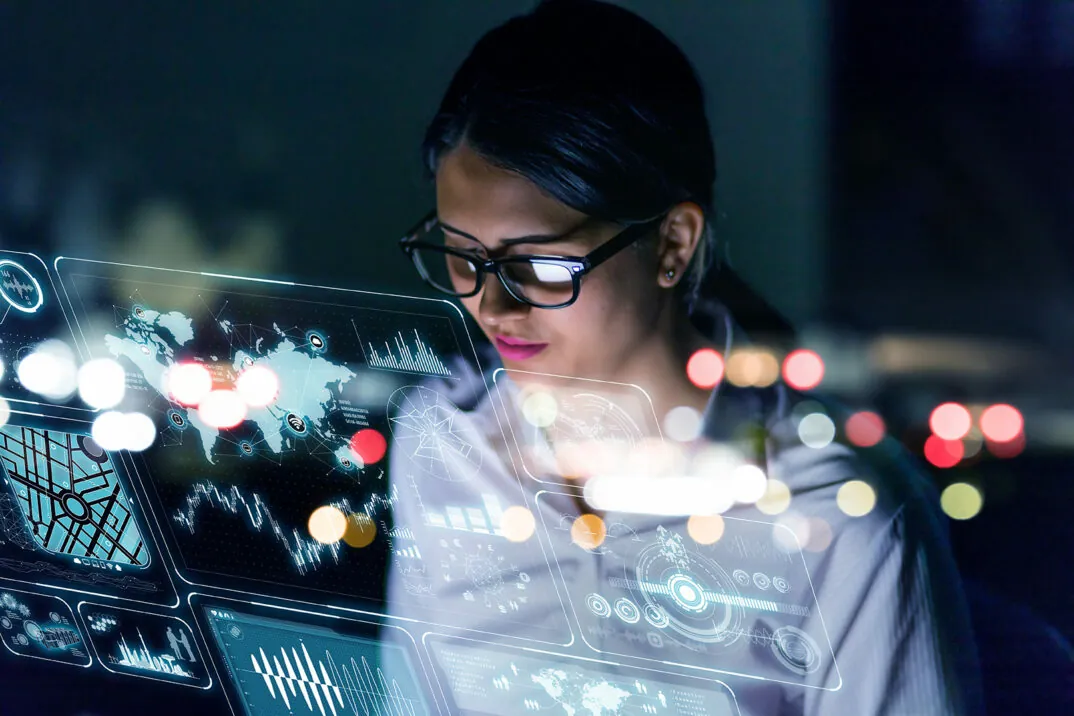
492,204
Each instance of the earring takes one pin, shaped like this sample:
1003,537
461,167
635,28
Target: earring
669,274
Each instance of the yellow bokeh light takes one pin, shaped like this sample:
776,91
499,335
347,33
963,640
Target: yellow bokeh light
360,532
776,498
961,501
705,529
752,366
856,498
517,523
540,408
588,531
328,524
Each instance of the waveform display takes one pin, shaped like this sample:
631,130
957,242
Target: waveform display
281,666
324,686
306,553
12,283
483,519
144,659
419,359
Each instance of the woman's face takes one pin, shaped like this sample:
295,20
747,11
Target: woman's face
485,208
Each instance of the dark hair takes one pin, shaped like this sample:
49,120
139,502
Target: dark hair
591,103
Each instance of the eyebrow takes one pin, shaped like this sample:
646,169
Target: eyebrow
530,239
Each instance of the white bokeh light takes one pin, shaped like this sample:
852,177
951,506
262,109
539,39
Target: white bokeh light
140,431
677,496
749,484
682,424
102,383
258,386
110,430
49,371
188,383
791,532
816,430
222,409
1,368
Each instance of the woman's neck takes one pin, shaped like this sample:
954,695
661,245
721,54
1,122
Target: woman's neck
659,364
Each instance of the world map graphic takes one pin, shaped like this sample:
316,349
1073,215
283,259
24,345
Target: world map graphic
572,692
309,383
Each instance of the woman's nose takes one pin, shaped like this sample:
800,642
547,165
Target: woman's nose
497,305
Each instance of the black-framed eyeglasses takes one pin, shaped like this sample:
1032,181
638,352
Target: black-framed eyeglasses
538,280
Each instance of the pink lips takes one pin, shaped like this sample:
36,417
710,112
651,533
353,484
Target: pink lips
518,349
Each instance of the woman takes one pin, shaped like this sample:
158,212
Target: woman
574,174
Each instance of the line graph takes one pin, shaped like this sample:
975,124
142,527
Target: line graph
306,554
279,667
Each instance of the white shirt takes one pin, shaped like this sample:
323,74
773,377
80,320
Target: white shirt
868,619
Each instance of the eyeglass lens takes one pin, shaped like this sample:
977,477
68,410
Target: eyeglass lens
540,282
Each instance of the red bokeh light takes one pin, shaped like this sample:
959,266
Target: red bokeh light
1008,449
865,429
369,445
189,383
951,421
705,368
803,369
943,453
1001,423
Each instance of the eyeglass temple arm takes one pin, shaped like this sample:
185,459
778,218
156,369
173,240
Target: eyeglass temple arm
628,236
421,225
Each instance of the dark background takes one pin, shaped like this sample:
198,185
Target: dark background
886,170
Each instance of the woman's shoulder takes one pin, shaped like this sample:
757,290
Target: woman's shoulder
806,449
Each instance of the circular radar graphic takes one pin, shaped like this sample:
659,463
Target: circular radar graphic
19,288
688,591
587,417
430,430
796,650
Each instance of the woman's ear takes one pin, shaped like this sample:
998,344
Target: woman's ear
680,235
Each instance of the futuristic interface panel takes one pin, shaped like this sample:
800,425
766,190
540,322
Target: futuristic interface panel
280,666
480,679
41,627
235,494
145,645
69,518
31,313
743,605
337,477
70,495
557,422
